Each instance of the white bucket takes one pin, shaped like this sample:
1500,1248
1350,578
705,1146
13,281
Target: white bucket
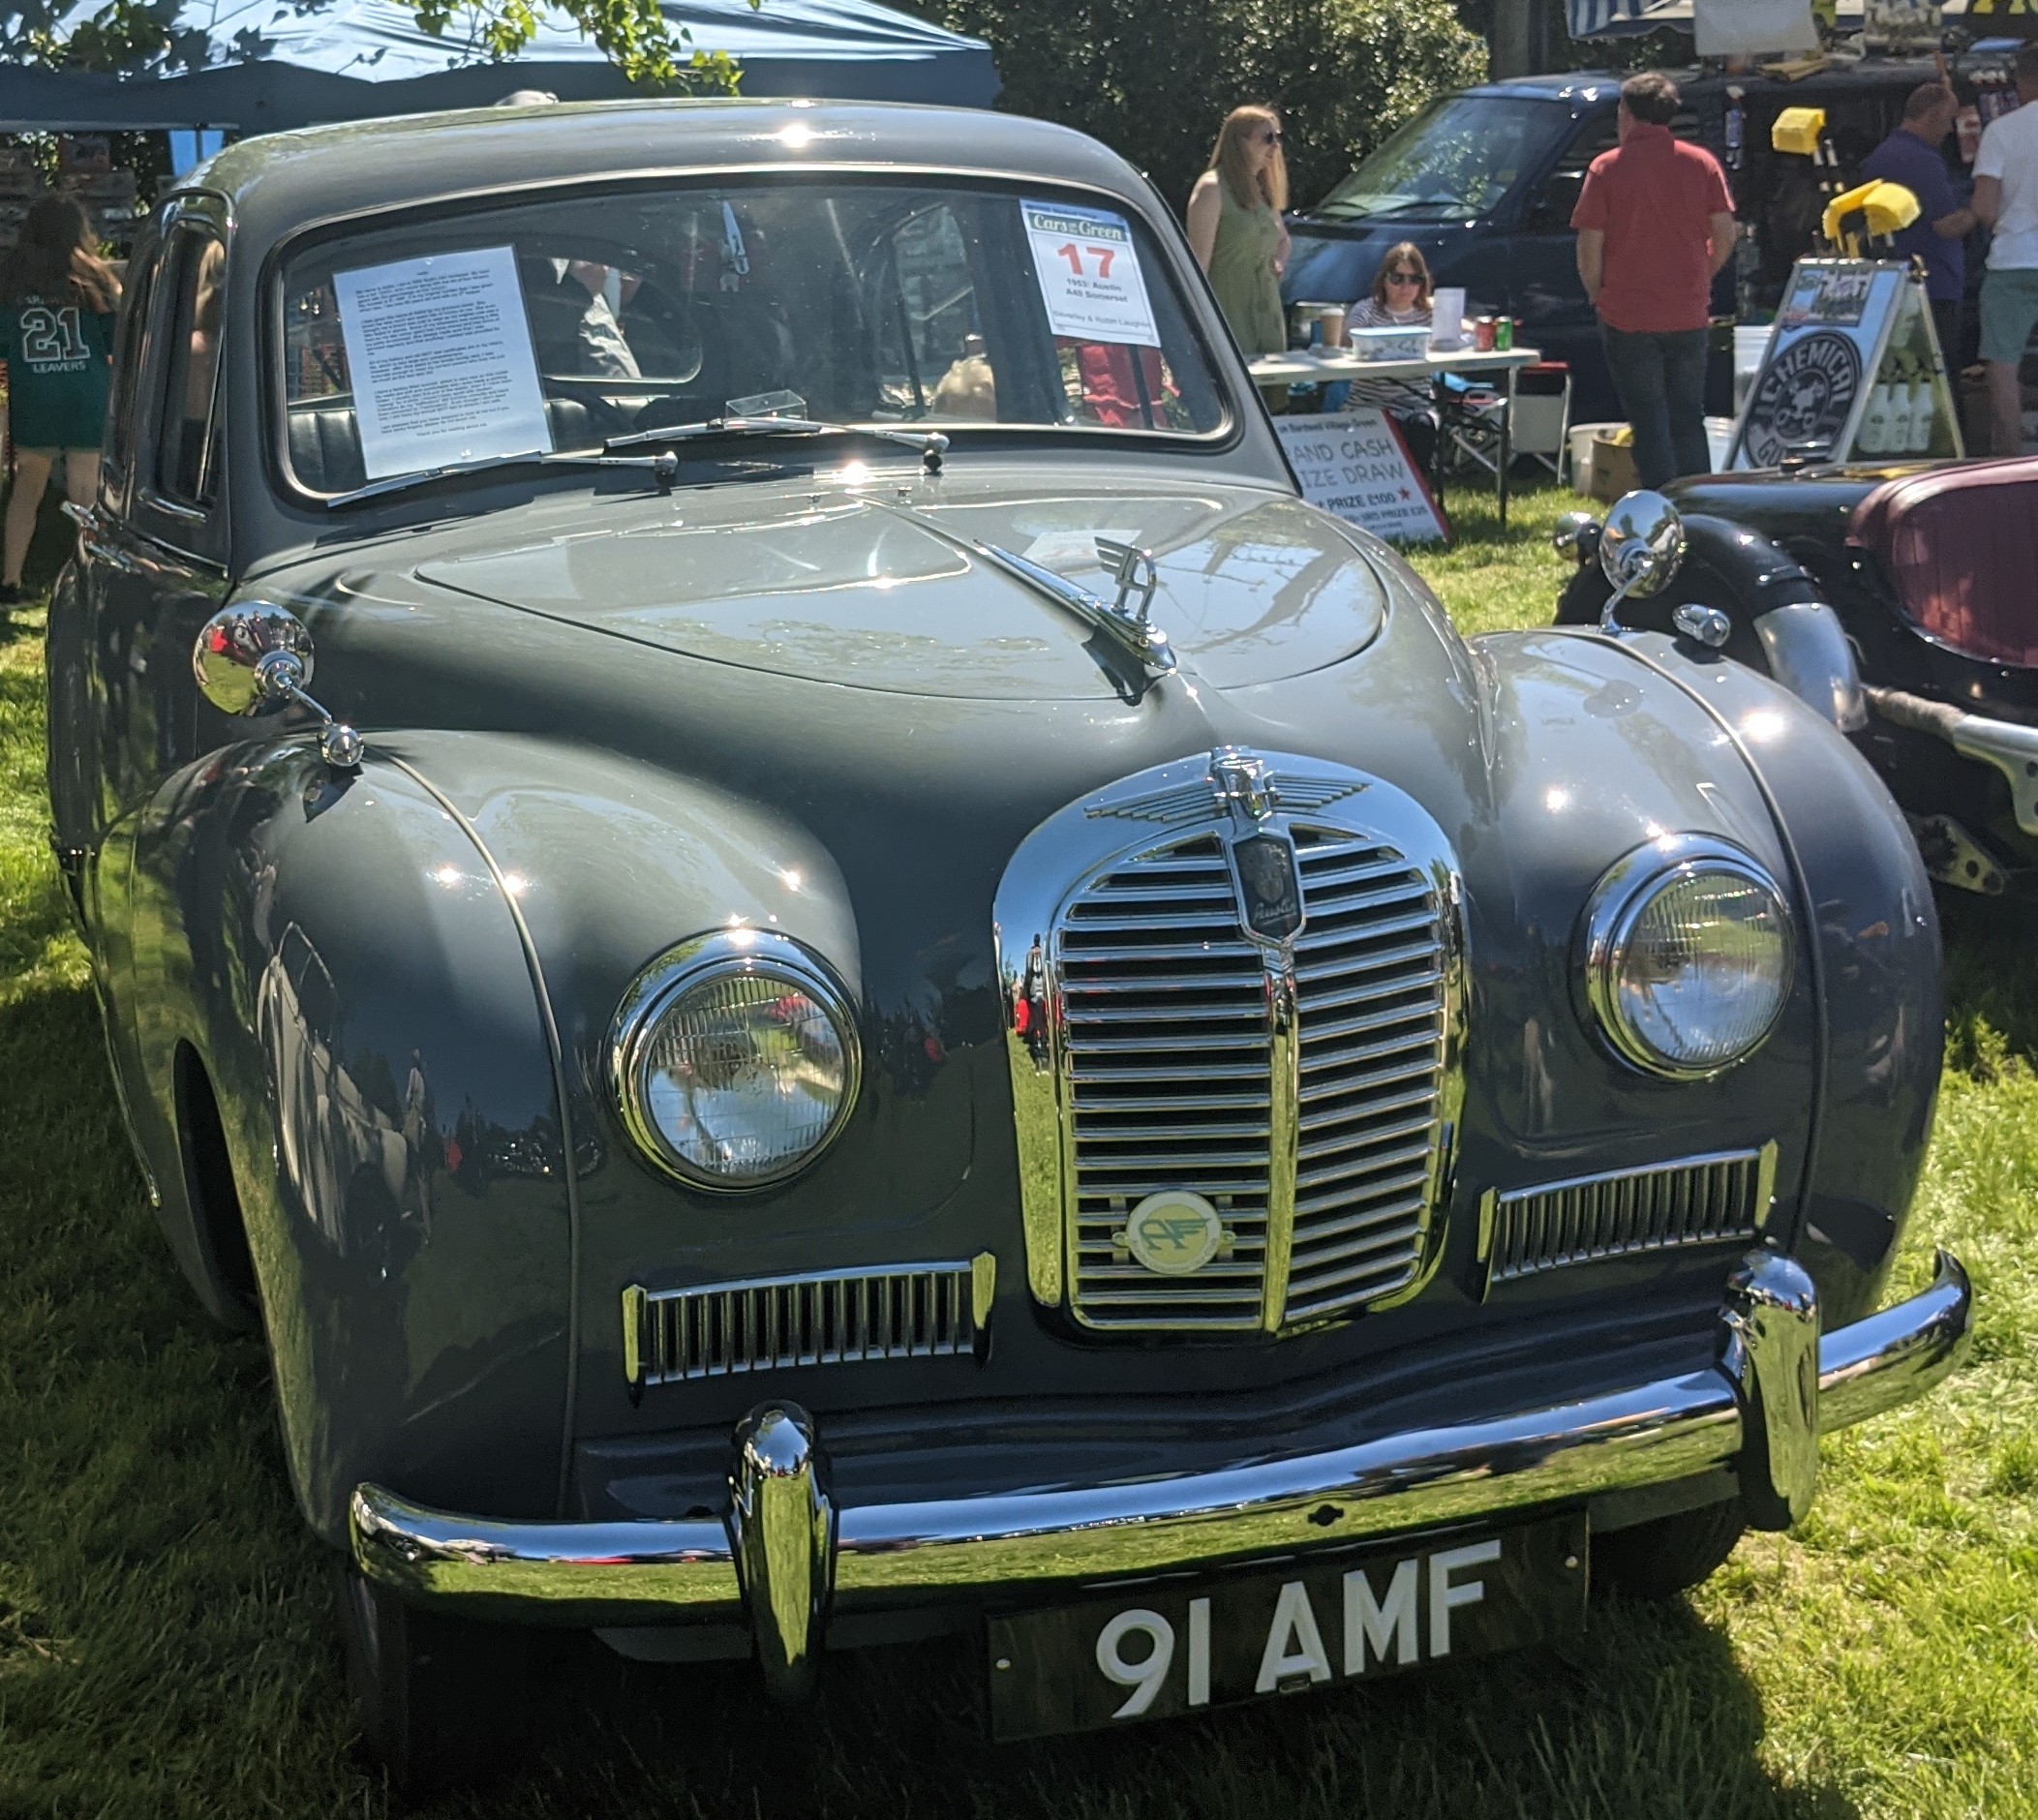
1750,340
1718,439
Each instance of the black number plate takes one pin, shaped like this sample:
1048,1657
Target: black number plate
1174,1647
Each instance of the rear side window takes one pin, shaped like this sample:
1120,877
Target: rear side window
196,270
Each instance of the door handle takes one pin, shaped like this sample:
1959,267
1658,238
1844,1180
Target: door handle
92,539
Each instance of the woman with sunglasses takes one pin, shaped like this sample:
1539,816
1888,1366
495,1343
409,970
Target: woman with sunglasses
1235,231
1400,298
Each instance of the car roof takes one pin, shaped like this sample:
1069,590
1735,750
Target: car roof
281,181
1587,86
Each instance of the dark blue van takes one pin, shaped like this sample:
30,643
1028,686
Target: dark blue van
1483,181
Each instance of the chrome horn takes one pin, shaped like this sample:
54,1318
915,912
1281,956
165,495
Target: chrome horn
1641,545
257,658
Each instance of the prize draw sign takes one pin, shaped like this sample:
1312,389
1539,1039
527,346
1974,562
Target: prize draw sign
441,360
1089,274
1355,464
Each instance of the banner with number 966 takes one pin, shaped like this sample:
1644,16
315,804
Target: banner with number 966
1089,274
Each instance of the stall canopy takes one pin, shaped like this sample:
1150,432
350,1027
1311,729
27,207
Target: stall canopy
264,66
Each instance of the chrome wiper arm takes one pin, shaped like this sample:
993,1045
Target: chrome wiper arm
530,457
928,444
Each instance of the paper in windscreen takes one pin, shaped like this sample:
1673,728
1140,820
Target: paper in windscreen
439,356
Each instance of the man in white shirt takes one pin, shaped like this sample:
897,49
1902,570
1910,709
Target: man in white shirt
2006,199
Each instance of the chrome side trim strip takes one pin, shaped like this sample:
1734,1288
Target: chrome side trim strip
643,1572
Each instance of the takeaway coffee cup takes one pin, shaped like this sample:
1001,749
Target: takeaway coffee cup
1333,322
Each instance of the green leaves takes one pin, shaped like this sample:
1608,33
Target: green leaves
633,35
1154,79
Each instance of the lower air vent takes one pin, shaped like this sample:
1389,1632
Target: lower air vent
830,1317
1699,1200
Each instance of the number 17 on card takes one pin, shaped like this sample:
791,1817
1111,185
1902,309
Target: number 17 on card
1100,256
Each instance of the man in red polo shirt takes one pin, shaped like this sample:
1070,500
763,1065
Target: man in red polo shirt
1654,222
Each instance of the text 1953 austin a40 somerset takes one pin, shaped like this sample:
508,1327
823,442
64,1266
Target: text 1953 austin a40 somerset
829,973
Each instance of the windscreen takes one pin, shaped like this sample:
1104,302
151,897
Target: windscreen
1455,161
432,341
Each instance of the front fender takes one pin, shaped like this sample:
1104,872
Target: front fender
1876,947
341,960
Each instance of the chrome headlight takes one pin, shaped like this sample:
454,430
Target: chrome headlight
1689,951
734,1059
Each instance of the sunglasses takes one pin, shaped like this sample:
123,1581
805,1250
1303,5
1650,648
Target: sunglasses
1271,137
1403,278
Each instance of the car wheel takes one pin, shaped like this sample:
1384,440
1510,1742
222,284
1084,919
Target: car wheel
1660,1560
439,1701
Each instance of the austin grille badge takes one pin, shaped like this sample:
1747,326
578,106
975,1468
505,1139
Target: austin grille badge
1269,894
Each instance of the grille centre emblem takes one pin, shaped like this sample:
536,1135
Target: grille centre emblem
1174,1233
1270,891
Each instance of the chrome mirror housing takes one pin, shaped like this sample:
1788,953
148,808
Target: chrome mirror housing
1576,535
256,657
1641,546
235,657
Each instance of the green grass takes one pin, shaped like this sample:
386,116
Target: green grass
163,1634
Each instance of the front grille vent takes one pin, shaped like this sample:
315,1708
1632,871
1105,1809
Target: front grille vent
836,1317
1699,1200
1167,1043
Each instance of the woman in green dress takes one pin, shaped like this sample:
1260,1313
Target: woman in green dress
57,302
1236,231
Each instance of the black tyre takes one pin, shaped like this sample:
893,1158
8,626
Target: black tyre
1660,1560
439,1701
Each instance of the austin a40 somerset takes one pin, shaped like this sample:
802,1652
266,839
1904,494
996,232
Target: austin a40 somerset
828,973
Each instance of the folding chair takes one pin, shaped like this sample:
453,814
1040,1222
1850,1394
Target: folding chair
1542,420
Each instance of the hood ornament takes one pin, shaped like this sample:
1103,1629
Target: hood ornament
1132,632
1242,783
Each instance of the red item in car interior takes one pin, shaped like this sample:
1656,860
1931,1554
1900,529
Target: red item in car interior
1962,546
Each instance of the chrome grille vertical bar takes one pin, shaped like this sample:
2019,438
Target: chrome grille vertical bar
1283,1095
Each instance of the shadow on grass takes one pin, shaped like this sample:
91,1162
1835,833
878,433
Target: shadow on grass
1646,1714
1992,984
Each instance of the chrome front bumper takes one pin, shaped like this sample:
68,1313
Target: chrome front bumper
786,1557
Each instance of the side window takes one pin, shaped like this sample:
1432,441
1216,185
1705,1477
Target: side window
1560,188
116,458
195,269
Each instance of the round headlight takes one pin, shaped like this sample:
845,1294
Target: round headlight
1688,950
735,1059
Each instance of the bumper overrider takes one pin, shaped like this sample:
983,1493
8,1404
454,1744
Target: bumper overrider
786,1558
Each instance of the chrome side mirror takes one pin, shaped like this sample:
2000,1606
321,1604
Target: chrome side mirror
1641,546
1576,535
253,658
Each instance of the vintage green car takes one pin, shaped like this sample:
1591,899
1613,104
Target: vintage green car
829,974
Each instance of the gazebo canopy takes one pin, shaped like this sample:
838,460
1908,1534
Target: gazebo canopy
265,66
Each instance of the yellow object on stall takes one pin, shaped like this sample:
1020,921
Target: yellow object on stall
1884,208
1797,130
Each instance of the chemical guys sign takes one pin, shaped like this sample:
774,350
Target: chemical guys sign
1089,274
1355,464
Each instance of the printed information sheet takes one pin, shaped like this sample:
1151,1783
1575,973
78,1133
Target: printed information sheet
1089,274
1355,464
441,359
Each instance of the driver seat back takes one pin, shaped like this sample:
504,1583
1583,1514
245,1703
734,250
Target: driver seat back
1960,544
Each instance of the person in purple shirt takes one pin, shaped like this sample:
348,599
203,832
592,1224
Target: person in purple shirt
1912,156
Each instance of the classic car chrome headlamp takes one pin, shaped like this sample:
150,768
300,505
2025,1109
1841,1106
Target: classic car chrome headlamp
734,1059
1688,950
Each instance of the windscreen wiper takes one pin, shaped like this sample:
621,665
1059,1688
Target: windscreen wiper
660,470
928,444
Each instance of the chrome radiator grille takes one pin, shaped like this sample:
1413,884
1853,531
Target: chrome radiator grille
1697,1200
1369,985
1164,1014
833,1318
1297,1082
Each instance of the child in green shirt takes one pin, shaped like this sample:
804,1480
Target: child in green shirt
57,302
